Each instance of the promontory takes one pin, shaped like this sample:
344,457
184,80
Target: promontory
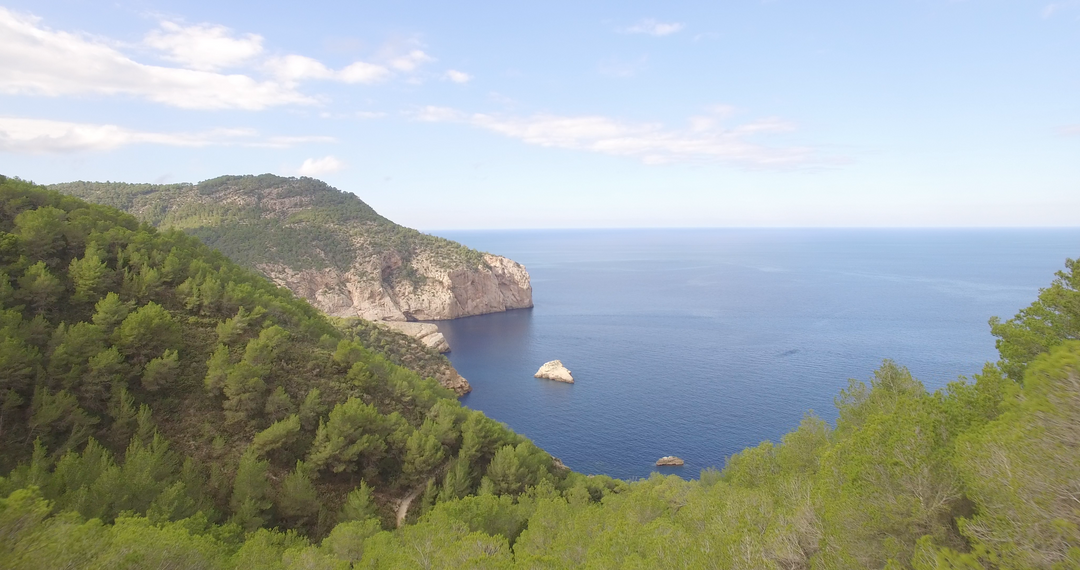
326,245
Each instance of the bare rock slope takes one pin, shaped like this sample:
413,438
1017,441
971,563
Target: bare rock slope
369,289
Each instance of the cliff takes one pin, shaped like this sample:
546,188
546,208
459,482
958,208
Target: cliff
440,291
327,246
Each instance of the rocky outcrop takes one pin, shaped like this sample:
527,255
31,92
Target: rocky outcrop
554,370
436,293
426,333
669,461
450,379
406,350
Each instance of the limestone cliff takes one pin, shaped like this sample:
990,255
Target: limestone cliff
327,246
365,291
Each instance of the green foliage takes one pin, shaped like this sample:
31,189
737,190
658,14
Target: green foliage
161,372
118,339
90,277
147,332
298,500
1022,470
39,287
1050,320
280,434
353,437
250,499
979,475
300,223
359,505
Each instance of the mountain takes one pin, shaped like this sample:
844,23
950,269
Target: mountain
143,372
325,245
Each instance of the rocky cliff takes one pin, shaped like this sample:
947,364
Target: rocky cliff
327,246
368,290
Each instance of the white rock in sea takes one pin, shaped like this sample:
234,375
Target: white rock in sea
669,460
554,370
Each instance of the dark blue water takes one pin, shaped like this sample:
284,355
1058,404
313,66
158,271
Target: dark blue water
699,343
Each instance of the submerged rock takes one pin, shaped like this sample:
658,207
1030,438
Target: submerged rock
554,370
669,461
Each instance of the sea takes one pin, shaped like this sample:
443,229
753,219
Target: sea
701,342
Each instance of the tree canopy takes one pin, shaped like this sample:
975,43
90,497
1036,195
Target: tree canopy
162,407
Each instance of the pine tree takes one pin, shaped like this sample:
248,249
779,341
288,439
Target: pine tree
161,372
109,312
422,454
359,505
39,287
89,275
251,491
505,471
148,331
298,499
217,370
40,231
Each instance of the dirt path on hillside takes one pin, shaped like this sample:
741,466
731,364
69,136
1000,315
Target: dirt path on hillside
403,507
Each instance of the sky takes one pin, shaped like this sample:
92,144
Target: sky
487,115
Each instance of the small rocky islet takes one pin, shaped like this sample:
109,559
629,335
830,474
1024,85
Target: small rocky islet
669,461
554,370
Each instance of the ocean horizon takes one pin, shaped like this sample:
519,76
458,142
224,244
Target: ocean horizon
701,342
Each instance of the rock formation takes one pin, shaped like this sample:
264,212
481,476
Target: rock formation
670,461
439,293
426,333
554,370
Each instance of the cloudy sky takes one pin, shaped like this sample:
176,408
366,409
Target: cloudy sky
559,114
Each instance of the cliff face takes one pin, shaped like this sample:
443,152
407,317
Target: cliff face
438,293
327,246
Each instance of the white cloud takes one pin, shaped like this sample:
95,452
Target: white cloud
706,139
38,61
458,76
362,72
295,68
654,28
433,114
31,136
410,60
205,47
1070,130
319,166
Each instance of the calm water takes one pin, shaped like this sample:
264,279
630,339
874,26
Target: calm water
698,343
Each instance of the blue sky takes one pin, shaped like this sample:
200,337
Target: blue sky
559,114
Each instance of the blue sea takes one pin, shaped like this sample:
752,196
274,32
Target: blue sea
699,343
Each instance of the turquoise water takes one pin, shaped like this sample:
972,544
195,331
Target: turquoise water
699,343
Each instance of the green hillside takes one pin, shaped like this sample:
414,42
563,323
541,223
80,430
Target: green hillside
164,408
240,401
301,223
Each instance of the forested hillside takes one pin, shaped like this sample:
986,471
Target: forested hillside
163,408
303,224
325,245
143,373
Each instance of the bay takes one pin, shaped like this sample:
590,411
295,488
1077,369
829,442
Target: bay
701,342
